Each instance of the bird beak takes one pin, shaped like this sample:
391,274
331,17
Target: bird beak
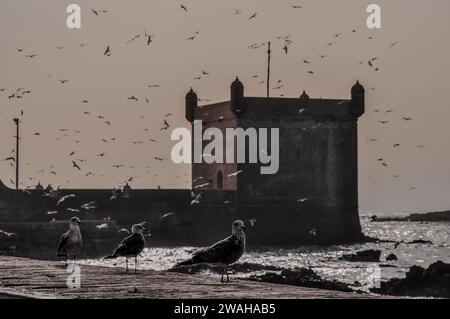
80,222
244,228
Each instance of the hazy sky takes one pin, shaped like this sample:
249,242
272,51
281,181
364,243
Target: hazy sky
412,81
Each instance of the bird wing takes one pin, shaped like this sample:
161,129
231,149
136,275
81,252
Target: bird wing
131,245
218,252
63,241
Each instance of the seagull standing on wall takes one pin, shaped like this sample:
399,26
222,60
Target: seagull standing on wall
71,241
223,253
132,245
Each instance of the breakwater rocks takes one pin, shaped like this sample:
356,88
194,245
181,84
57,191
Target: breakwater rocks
303,277
370,255
427,217
433,281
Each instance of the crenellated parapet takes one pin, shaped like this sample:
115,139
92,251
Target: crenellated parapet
304,107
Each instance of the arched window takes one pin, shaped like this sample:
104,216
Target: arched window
219,180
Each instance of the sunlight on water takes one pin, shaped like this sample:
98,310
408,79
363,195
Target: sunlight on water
325,260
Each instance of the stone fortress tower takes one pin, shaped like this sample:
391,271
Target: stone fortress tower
311,199
315,191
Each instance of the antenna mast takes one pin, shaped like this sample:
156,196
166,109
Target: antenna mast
268,68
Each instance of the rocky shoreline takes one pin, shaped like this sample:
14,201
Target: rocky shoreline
433,281
443,216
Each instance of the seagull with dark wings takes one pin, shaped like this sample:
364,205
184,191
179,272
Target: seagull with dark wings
71,241
223,253
107,51
132,245
75,165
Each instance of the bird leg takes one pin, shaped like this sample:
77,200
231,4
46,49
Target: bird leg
221,279
226,271
65,258
74,258
126,261
135,264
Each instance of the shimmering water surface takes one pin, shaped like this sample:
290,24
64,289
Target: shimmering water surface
325,260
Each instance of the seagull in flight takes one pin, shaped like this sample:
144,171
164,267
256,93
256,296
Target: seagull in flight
6,233
107,51
133,38
235,173
223,253
75,165
62,199
196,198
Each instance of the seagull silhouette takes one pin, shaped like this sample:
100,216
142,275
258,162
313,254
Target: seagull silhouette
107,51
223,253
75,165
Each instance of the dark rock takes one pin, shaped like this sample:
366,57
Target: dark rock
420,241
301,277
391,257
427,217
419,282
387,266
370,255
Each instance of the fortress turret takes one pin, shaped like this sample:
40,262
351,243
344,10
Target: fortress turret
304,99
126,192
358,98
237,96
191,105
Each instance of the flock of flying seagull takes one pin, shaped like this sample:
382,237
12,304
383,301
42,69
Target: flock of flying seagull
221,254
224,252
286,41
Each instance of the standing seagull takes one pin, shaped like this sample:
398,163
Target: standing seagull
132,245
222,253
70,241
